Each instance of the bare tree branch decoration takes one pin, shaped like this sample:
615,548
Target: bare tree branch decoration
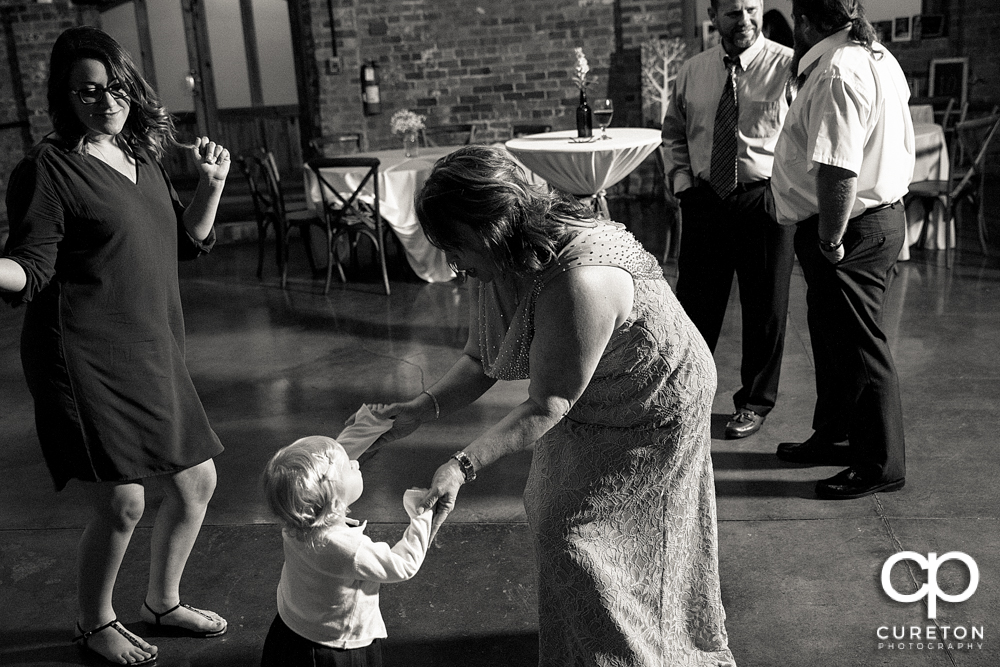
661,58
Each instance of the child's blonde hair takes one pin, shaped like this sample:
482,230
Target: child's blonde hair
299,488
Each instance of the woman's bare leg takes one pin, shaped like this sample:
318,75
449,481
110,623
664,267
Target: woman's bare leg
178,522
117,509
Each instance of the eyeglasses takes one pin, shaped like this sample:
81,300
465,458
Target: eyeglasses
94,94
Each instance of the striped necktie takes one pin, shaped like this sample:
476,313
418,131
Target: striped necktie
724,141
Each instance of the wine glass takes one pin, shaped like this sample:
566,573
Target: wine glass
603,111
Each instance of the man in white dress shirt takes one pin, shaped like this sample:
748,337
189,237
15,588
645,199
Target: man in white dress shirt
722,122
841,166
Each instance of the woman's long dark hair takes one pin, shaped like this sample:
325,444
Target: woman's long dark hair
828,16
775,27
482,189
148,125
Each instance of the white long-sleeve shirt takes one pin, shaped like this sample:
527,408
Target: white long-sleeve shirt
689,124
328,593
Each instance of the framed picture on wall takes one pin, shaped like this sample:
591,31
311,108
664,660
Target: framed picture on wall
949,77
883,31
901,29
932,26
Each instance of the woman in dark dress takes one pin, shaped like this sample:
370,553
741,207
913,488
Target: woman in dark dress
96,232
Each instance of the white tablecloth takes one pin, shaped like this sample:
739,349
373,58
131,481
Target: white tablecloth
581,168
400,178
932,164
922,114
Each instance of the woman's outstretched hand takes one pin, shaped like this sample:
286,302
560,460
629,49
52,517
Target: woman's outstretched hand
405,419
213,159
443,493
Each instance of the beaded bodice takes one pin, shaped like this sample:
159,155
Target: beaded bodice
506,307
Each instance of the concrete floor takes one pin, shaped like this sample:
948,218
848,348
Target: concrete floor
800,576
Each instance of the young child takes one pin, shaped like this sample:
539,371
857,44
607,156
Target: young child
328,611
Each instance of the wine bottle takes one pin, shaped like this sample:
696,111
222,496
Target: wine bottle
584,120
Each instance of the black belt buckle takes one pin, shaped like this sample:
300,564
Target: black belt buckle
747,187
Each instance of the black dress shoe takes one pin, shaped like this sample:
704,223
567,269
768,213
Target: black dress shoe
744,422
848,484
815,452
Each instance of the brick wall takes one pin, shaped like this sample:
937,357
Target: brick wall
492,64
979,29
27,32
971,33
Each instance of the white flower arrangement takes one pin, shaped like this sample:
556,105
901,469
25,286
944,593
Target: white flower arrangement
405,121
581,70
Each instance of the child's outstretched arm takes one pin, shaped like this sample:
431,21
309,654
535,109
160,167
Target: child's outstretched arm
376,561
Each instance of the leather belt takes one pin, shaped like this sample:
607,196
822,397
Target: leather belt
875,209
741,188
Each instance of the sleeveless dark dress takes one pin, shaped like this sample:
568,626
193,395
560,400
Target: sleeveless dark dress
103,339
621,493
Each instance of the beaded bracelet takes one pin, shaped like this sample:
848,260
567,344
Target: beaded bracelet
437,406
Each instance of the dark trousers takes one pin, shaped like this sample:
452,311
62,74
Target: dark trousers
857,390
284,648
738,235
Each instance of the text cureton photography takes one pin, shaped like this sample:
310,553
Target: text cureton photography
931,637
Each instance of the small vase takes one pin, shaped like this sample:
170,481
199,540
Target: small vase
410,144
584,119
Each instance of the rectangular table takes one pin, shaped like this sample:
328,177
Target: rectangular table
400,178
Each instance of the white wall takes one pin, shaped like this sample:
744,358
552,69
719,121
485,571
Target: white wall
274,44
170,58
166,31
119,22
229,56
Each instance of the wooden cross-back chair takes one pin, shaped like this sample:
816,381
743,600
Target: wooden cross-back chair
350,214
953,115
283,217
265,210
341,144
966,179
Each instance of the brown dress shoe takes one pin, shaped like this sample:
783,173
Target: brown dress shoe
744,422
815,452
848,484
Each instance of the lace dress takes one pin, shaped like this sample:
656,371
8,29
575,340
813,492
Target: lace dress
621,497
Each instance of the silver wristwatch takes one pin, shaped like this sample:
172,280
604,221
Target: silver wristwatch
467,469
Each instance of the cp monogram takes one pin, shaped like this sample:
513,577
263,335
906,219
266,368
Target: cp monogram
930,589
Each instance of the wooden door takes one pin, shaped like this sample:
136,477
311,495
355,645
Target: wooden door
234,79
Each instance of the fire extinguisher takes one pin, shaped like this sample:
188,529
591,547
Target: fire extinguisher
371,101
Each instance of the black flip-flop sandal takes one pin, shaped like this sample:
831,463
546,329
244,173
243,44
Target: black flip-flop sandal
117,627
162,630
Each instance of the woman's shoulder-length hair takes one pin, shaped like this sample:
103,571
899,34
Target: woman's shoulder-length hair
483,190
148,126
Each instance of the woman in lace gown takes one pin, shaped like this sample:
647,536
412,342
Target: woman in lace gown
620,497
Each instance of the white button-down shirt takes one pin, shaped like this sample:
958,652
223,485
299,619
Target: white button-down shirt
689,124
852,113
